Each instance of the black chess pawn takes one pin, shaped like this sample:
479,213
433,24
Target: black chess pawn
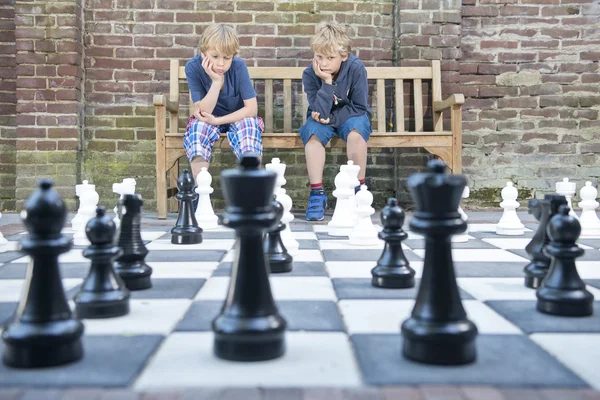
393,269
186,230
438,331
278,257
249,327
562,291
130,265
542,210
43,331
103,293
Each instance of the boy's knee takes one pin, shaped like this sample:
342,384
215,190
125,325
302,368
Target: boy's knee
314,139
355,139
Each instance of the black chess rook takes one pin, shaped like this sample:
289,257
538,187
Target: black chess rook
279,259
131,265
43,332
438,331
249,327
562,292
186,230
542,210
393,269
103,293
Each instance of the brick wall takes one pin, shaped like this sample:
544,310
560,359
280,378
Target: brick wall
530,71
85,77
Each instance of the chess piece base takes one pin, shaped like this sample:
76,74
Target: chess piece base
450,343
102,309
136,277
579,303
510,232
281,263
39,345
534,275
397,277
186,236
261,338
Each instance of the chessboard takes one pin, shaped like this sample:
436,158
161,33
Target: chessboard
342,331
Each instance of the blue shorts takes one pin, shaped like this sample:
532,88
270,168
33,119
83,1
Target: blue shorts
325,133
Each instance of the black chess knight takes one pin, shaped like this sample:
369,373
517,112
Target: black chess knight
249,327
438,331
43,332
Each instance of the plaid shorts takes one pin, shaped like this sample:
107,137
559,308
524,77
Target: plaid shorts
243,136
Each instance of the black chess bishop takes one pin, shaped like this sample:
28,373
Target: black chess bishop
43,332
186,230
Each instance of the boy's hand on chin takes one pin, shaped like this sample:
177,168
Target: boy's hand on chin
323,75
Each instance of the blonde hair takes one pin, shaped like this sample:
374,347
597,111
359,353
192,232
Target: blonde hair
220,37
329,38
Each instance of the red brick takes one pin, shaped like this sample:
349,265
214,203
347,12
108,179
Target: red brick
63,108
531,11
153,41
111,63
495,44
514,57
30,132
560,78
68,144
45,95
153,16
133,4
193,17
45,145
112,40
24,119
560,33
25,144
63,133
151,64
68,95
30,58
559,11
590,55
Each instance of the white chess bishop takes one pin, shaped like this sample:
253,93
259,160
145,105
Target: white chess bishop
509,223
567,189
89,201
464,236
205,214
590,224
79,190
123,188
344,216
364,232
287,237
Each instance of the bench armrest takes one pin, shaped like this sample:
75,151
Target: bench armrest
161,100
454,99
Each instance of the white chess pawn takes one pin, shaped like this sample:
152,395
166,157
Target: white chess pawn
509,223
279,168
205,215
89,201
79,189
123,188
287,236
590,224
567,189
3,240
344,215
464,236
364,232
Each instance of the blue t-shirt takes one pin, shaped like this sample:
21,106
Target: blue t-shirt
236,88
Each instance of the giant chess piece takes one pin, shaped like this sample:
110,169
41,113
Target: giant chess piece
567,189
279,259
287,237
79,191
249,327
364,232
186,230
509,223
89,201
438,331
103,293
463,237
123,188
43,332
205,214
563,292
542,210
393,269
344,215
590,224
130,265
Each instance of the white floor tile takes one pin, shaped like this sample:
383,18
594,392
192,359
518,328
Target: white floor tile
508,243
579,352
10,289
282,287
207,244
183,270
345,245
486,228
303,255
588,269
304,235
480,255
152,316
9,246
311,359
361,269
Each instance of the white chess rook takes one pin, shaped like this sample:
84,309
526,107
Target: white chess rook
464,236
364,232
590,224
344,215
567,189
287,237
509,223
205,214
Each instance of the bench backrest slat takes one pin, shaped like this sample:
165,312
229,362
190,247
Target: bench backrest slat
399,89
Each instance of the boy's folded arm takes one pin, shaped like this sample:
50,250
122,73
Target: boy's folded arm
249,110
200,98
320,99
357,102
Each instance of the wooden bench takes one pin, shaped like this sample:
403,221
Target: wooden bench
444,144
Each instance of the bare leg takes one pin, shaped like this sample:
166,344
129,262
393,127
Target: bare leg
356,150
315,159
197,164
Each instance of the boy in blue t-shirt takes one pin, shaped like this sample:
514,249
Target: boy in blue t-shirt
337,89
224,99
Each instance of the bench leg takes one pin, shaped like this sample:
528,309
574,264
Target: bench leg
456,122
161,196
173,175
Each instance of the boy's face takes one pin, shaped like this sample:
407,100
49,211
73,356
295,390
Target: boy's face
220,62
330,62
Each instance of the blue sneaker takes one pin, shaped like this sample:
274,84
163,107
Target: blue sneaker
317,203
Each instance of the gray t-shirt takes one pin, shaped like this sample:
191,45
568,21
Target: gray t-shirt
236,88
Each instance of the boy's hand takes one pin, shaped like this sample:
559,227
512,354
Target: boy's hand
207,66
323,75
316,116
208,118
